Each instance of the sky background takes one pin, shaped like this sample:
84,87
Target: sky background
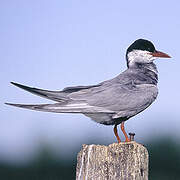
54,44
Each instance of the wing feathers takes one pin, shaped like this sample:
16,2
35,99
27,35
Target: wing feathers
59,108
52,95
78,88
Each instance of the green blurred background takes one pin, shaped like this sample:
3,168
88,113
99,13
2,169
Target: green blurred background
164,164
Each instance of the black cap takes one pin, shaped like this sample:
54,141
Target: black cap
141,44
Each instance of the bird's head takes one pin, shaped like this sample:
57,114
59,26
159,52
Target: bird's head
141,52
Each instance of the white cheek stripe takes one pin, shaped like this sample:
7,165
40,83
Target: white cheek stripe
139,56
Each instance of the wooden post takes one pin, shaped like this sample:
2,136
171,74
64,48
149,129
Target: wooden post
124,161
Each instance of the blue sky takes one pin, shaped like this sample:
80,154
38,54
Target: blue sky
54,44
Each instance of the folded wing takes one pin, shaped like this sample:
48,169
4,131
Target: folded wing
58,96
112,96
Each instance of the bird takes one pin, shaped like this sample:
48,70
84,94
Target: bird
111,102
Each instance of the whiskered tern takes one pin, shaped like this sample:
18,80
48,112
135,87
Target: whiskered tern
114,101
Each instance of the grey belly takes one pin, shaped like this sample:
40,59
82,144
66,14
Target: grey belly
105,118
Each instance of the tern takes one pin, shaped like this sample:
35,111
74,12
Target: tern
114,101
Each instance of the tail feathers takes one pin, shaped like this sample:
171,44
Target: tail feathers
59,108
52,95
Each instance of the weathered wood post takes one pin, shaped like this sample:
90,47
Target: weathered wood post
123,161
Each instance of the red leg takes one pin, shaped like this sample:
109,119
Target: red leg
116,133
124,132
